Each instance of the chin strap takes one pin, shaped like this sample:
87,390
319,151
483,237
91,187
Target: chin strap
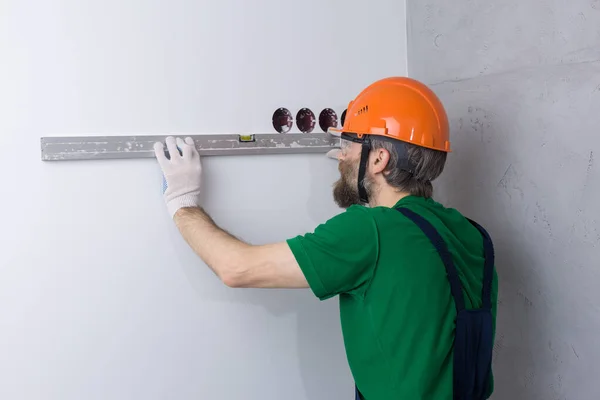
404,163
364,157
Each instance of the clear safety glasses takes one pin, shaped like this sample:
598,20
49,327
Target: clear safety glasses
345,139
345,145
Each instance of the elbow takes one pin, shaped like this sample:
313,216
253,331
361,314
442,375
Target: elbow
235,276
232,279
242,272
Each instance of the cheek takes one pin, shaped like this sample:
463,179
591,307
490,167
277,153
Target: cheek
355,150
347,169
343,168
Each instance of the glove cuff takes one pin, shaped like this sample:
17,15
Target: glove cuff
186,200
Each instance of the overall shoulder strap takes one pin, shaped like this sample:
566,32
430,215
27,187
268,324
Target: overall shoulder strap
488,268
442,249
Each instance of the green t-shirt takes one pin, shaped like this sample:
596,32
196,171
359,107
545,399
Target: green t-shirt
397,312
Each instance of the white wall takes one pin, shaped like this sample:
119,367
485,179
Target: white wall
521,81
91,308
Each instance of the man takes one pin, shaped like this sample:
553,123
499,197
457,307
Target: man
417,306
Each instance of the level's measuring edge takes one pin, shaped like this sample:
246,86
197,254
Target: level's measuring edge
120,147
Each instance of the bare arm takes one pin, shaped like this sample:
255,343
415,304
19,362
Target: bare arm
235,262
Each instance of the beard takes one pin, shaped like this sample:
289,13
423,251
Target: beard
345,189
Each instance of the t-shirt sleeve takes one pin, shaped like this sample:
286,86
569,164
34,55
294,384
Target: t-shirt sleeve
340,255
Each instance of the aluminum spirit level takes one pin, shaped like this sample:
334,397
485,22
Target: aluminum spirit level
111,147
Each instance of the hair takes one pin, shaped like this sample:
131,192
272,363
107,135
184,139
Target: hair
428,165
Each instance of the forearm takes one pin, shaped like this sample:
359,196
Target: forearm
236,263
221,251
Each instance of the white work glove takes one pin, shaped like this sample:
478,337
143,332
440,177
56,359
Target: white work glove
182,173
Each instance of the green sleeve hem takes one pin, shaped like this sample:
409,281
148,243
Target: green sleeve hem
308,269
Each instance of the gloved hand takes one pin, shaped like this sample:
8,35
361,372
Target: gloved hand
182,173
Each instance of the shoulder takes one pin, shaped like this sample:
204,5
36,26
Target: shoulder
340,254
356,224
356,221
355,215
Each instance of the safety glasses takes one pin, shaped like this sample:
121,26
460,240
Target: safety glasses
346,139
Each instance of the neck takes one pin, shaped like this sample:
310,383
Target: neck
386,197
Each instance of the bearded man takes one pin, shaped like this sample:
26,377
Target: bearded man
416,281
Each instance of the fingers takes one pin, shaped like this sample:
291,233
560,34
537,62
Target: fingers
186,151
159,153
177,148
172,148
192,146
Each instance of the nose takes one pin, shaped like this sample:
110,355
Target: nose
335,154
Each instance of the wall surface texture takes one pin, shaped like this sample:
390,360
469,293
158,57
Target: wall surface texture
521,83
100,298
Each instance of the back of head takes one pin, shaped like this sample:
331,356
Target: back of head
427,165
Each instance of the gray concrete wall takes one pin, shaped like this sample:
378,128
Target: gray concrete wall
521,82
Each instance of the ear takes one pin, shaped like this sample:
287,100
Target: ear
379,160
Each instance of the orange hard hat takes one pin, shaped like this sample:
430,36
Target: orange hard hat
399,108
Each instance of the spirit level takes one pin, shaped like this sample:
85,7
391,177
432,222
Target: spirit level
111,147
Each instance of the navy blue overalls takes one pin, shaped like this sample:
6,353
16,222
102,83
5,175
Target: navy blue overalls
473,341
